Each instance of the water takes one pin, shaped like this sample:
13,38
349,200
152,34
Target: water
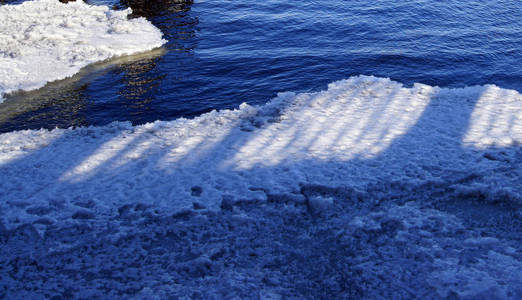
222,53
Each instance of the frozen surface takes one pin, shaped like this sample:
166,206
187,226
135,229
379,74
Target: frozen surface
46,40
369,189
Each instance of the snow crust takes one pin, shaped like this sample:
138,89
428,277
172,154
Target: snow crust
46,40
366,190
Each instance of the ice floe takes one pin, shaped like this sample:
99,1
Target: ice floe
46,40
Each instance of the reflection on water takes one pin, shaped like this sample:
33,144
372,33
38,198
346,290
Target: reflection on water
59,103
142,97
140,85
67,102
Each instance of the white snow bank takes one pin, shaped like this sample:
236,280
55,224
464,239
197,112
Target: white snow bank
46,40
403,185
360,131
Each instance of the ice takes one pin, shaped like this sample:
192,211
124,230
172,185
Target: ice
46,40
368,189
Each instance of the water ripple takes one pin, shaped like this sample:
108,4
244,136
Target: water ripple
221,53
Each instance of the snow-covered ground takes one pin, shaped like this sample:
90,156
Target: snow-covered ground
46,40
368,189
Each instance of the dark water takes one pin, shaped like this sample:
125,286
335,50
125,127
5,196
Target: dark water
222,53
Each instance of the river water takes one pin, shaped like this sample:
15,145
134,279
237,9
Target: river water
222,53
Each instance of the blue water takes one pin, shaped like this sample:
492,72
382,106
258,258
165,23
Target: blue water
222,53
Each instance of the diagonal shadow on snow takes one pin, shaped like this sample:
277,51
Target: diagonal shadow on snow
359,132
378,155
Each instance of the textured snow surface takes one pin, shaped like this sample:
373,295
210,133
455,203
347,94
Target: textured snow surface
46,40
369,189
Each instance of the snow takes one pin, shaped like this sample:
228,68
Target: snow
46,40
368,189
